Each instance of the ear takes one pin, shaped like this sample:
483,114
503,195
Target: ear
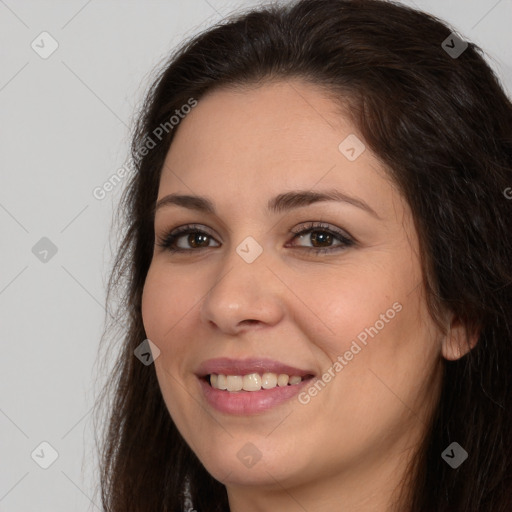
458,342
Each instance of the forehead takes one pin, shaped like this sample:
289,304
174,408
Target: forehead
262,140
278,121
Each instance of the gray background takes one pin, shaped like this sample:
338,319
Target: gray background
64,131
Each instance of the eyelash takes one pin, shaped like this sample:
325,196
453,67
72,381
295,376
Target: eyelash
170,238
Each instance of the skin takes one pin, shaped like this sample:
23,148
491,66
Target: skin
350,444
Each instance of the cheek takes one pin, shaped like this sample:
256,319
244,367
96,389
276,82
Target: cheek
168,306
164,302
374,318
164,314
350,303
388,353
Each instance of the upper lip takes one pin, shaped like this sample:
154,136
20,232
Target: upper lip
227,366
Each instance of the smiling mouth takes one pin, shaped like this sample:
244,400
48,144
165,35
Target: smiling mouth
253,381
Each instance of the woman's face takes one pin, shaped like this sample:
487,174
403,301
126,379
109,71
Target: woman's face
250,294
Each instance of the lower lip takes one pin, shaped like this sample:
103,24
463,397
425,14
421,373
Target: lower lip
242,403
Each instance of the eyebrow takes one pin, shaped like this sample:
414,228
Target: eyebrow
282,202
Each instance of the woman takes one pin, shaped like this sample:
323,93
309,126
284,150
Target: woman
318,259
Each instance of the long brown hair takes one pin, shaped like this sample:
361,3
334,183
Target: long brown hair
442,124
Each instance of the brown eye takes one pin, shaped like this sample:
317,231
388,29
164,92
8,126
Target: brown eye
195,238
322,236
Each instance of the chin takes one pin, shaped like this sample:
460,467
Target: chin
258,475
245,466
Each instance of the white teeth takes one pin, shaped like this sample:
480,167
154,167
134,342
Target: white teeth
268,380
252,381
234,382
283,379
221,382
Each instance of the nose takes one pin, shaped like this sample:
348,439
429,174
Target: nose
243,295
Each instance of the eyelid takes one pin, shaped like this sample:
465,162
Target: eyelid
320,225
168,240
183,230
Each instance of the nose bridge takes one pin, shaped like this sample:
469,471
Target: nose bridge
242,290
